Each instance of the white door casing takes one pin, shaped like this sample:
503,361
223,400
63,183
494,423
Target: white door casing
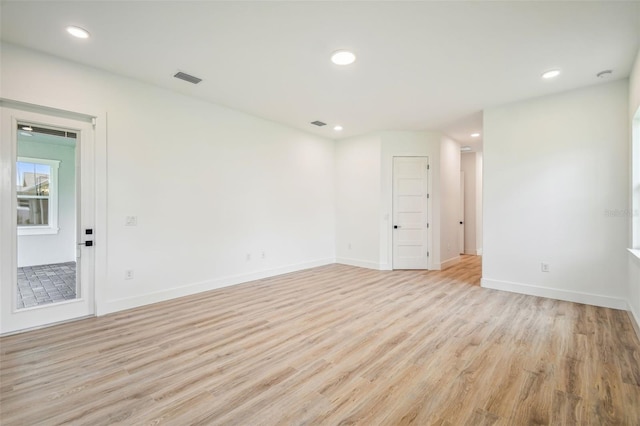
13,319
410,204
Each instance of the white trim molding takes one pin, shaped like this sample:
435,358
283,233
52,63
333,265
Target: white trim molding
383,267
359,263
552,293
199,287
635,319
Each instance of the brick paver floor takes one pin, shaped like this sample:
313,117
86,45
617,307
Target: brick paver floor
42,284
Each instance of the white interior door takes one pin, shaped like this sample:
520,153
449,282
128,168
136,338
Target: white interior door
47,218
410,201
461,216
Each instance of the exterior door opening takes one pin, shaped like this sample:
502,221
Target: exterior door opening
47,216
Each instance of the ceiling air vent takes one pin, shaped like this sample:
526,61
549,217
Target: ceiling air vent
187,77
318,123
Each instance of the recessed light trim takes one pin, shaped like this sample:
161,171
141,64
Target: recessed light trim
550,74
343,57
27,128
337,128
475,135
77,31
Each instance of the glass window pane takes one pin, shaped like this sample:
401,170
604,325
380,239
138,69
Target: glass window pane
33,179
33,211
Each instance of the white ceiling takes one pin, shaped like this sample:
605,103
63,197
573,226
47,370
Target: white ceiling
420,65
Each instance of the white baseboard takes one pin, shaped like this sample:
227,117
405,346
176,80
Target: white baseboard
359,263
450,262
189,289
385,267
635,319
552,293
39,327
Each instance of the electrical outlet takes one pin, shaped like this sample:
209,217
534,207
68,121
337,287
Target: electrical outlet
248,257
349,246
264,255
128,274
544,267
131,221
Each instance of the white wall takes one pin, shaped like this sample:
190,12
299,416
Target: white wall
553,167
52,248
633,290
358,201
479,223
449,201
209,185
470,165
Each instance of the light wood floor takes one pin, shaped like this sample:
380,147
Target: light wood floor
328,346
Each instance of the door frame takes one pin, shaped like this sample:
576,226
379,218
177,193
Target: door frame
20,111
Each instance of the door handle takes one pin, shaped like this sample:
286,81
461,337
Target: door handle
396,226
461,222
86,243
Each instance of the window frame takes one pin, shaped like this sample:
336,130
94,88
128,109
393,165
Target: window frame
52,227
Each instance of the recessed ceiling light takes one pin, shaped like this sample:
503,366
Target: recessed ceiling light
27,128
550,74
25,134
475,135
337,128
78,32
342,57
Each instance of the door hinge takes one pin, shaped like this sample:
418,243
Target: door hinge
427,195
427,254
427,225
427,167
93,121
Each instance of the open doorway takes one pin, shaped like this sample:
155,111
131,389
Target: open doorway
46,215
471,203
